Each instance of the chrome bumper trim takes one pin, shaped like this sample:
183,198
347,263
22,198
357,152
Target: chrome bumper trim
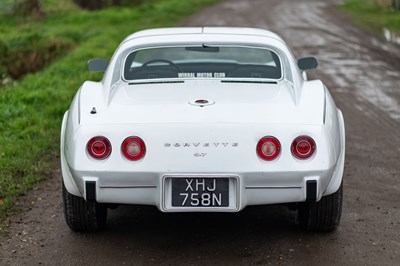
269,187
136,186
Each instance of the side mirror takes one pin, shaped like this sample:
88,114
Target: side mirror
307,63
98,65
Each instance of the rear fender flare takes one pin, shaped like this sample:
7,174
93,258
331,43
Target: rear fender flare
65,172
337,176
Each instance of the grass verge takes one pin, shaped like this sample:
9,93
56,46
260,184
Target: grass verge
31,109
374,14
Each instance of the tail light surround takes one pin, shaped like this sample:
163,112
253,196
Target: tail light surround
303,147
133,148
268,148
99,147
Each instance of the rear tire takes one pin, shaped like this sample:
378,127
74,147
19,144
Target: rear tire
83,216
324,215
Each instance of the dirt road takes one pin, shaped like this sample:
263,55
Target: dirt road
363,74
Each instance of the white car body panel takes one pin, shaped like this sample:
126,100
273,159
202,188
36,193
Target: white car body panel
176,132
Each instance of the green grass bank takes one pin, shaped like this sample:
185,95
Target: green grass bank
374,14
31,108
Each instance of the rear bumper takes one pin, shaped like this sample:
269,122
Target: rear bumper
255,188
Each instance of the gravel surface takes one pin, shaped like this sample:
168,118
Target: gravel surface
363,74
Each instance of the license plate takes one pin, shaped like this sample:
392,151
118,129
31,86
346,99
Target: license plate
200,192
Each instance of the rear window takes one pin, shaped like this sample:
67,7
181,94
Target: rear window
202,62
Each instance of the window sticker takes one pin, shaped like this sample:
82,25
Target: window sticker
201,75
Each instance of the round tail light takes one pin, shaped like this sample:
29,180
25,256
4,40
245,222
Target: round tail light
268,148
303,147
99,147
133,148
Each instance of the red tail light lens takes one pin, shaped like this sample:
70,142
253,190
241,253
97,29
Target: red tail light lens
133,148
303,147
99,147
268,148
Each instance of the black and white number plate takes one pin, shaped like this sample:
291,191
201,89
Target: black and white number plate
200,192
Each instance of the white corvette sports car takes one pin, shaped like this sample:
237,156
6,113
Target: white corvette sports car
203,120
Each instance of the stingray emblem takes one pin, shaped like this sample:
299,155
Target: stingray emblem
201,102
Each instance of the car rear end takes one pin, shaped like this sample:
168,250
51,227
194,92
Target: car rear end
207,167
202,127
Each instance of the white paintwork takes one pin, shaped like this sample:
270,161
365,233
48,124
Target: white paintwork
241,113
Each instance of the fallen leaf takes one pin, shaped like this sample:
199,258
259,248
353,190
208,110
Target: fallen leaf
1,202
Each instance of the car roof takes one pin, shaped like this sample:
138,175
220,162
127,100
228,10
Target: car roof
204,30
